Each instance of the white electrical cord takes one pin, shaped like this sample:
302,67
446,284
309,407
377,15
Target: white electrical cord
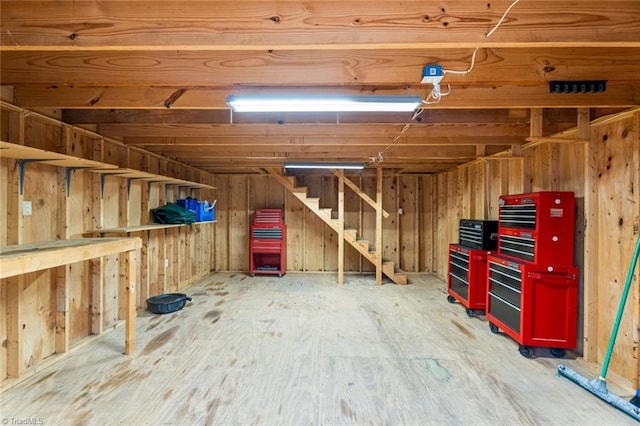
504,15
436,94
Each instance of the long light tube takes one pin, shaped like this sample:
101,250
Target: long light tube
327,103
349,166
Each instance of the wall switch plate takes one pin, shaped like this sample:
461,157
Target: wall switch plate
26,208
166,263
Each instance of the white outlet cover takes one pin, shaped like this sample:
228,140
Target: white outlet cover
26,208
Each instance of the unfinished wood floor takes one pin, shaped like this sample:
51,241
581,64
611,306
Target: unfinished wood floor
303,350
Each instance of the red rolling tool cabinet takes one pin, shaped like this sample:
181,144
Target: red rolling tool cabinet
532,285
467,278
268,245
534,305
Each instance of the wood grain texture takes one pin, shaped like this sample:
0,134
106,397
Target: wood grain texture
301,349
219,25
330,68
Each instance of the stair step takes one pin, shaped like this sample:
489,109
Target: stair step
312,202
299,189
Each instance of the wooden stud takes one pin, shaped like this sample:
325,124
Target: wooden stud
340,227
130,316
379,225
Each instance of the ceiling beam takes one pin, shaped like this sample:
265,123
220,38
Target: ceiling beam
361,67
315,130
462,96
287,141
233,25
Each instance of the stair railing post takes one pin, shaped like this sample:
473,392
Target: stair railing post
341,227
379,211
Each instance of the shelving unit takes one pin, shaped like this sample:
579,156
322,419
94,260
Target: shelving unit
111,198
26,155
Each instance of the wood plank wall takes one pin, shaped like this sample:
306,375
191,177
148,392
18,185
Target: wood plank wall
605,176
28,304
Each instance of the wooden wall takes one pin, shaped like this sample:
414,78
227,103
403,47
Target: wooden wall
604,174
28,302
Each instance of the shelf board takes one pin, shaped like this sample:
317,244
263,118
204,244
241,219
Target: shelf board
139,228
21,152
31,257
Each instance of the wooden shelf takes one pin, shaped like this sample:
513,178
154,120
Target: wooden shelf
21,152
139,228
24,258
26,154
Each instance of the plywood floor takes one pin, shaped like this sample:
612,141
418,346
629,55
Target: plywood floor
302,350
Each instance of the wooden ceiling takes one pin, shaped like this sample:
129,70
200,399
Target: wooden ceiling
156,73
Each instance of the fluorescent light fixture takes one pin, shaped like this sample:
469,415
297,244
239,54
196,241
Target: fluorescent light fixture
350,166
320,103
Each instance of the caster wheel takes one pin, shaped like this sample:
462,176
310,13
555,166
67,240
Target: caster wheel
279,275
493,328
451,299
526,351
557,352
253,275
471,313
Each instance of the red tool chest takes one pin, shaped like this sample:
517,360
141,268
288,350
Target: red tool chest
532,285
268,244
535,305
467,278
537,227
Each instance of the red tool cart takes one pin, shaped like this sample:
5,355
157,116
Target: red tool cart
268,244
535,305
531,281
467,278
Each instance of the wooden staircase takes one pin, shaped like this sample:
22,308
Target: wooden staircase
350,234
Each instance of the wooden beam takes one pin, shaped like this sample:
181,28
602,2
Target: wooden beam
212,116
154,143
312,25
316,130
340,226
467,96
130,283
379,214
312,68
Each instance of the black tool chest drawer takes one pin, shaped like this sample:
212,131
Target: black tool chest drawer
522,246
478,234
521,216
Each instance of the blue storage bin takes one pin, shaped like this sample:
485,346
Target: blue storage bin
189,204
206,212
